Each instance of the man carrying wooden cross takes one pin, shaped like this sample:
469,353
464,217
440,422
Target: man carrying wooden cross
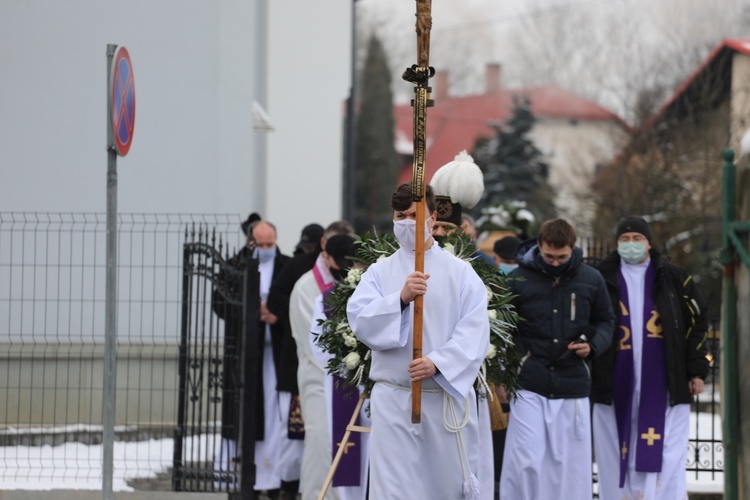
436,458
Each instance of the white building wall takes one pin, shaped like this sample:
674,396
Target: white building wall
193,66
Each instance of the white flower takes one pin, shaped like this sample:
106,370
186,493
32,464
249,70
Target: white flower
450,248
492,352
492,313
353,276
343,328
351,360
350,340
489,293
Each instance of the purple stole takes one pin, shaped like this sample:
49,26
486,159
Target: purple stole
653,402
344,402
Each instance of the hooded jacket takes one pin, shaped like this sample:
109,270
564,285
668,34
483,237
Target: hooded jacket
684,322
555,311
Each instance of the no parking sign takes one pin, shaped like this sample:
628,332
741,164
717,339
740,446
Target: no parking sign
122,101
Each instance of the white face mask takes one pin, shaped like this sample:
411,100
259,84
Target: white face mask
406,233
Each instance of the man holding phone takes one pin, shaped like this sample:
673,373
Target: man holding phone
567,320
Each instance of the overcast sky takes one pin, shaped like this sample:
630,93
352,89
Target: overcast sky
599,48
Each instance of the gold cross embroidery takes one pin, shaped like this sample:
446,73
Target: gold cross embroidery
346,446
650,436
624,450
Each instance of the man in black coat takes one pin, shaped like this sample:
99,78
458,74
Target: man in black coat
645,380
566,321
261,245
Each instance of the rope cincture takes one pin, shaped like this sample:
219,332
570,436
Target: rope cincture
471,487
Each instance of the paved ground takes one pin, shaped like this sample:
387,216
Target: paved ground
163,482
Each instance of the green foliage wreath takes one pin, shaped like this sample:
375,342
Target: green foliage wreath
350,358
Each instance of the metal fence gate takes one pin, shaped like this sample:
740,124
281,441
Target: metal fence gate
217,383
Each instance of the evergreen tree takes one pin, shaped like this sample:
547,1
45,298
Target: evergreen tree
378,163
514,168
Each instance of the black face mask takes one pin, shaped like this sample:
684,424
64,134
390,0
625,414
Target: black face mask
338,274
555,270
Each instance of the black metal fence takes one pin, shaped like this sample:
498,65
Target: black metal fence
52,282
219,334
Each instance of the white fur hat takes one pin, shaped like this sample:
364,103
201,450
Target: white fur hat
461,180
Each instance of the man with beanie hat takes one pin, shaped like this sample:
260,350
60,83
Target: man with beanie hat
505,253
644,382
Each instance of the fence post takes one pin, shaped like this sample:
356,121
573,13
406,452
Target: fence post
729,399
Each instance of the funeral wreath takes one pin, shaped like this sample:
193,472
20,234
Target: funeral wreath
350,359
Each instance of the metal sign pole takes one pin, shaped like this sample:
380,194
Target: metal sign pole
110,315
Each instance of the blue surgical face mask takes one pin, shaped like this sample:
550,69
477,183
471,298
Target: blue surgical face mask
632,252
265,254
506,268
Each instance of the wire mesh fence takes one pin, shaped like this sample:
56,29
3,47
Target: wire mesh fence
52,287
52,284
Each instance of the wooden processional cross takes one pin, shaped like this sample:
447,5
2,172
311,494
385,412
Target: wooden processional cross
418,74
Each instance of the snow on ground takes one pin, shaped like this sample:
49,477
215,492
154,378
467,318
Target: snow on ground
78,466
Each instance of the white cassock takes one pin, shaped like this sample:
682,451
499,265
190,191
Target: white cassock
486,470
547,449
267,450
435,458
671,482
316,457
344,492
289,462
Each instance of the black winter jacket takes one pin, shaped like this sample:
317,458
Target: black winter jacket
278,304
684,322
555,311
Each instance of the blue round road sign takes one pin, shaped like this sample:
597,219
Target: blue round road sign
123,101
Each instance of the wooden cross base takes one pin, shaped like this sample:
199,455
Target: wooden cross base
342,445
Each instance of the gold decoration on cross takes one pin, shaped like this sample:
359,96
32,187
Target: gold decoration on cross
651,436
624,450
